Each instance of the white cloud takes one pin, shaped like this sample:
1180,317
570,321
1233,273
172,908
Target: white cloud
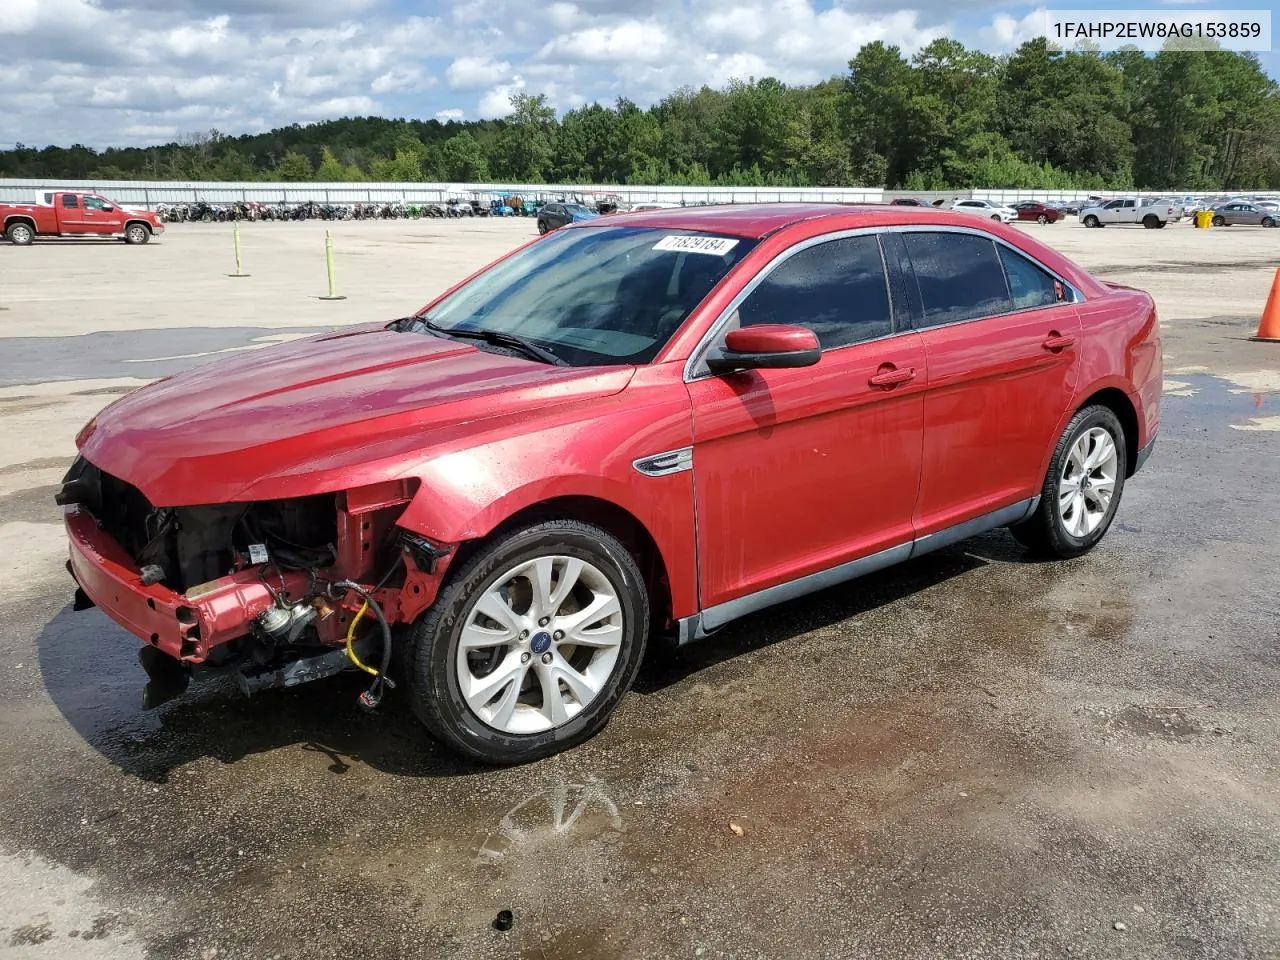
133,71
453,113
473,73
1006,33
631,40
497,102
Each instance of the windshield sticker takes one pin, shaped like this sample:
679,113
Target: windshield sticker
684,243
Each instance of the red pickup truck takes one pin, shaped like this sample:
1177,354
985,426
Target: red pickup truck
66,214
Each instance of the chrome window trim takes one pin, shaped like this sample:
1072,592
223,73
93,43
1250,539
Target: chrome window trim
698,355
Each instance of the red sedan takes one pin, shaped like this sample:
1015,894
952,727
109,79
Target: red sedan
638,427
1037,211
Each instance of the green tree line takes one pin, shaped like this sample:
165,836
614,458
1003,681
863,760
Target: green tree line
946,117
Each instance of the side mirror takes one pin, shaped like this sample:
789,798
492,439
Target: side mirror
108,209
766,346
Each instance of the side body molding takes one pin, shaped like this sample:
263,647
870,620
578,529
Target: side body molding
713,618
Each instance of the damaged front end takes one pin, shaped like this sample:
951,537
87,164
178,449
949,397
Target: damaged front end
278,592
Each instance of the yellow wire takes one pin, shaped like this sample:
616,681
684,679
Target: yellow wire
351,635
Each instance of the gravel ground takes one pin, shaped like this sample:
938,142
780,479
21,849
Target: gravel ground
973,755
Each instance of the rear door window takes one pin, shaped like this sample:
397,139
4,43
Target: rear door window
1029,285
70,201
960,276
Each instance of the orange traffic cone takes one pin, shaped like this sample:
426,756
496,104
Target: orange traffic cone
1269,327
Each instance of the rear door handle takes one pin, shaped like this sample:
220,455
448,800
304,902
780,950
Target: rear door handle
1057,341
890,376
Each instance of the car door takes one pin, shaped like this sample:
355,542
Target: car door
71,215
1110,211
999,335
1128,212
1248,215
102,217
797,471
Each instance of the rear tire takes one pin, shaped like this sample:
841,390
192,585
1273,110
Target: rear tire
1042,219
549,694
1088,466
1151,221
20,234
136,234
542,227
1268,221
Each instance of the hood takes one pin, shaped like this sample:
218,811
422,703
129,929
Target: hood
319,414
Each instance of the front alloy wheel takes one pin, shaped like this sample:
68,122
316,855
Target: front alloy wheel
530,644
1082,489
539,644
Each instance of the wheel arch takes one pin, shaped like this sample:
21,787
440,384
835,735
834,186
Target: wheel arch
608,516
9,221
138,222
1119,403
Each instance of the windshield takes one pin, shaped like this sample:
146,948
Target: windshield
576,208
599,295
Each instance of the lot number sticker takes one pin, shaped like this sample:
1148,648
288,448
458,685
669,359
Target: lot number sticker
716,246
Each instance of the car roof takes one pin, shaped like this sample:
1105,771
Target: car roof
757,220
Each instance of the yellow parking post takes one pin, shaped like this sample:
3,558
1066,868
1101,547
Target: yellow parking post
328,262
235,234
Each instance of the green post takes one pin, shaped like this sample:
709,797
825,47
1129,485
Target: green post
235,235
328,262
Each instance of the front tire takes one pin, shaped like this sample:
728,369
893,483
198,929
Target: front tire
1219,222
530,644
1092,221
135,234
1082,488
542,227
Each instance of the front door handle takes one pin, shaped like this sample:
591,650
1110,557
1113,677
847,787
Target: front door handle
889,376
1057,341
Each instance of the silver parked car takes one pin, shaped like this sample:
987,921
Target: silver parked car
1244,213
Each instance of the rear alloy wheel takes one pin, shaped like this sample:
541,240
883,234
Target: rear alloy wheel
542,227
1042,219
1151,221
531,644
1268,221
136,234
1082,488
1092,221
20,234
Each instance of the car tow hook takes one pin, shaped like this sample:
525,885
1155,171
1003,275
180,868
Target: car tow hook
167,677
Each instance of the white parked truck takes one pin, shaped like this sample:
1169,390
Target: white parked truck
1127,210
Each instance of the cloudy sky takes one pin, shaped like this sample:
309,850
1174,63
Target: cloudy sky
125,72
